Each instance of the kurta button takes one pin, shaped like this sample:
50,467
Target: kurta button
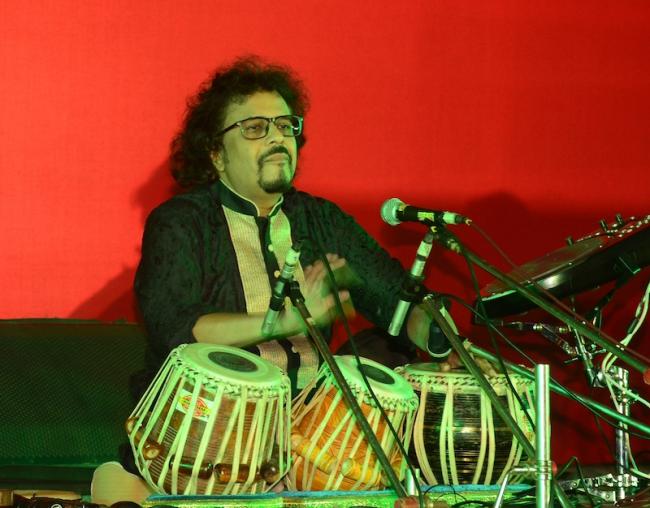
276,274
270,247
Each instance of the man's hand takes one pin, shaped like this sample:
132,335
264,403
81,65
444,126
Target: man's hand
317,290
418,331
418,328
453,362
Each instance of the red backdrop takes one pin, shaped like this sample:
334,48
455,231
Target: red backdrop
532,118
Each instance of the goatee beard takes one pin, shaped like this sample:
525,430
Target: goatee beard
284,181
279,185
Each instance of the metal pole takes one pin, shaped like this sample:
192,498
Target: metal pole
621,433
543,436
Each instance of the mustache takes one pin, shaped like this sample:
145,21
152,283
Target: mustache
273,151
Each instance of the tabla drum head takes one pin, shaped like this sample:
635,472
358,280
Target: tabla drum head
229,364
429,374
385,383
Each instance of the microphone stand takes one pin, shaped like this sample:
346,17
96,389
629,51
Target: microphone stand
561,390
298,300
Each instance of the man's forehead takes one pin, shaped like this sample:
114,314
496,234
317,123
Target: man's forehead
258,104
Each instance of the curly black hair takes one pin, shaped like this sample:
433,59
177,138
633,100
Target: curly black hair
191,148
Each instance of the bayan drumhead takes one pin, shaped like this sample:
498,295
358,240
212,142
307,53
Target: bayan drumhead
417,373
229,364
429,374
384,382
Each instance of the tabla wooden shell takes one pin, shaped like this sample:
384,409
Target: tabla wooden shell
215,420
329,448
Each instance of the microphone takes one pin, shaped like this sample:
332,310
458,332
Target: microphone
394,211
412,286
277,295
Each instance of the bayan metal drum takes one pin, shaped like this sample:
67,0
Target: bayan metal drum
458,438
215,420
330,450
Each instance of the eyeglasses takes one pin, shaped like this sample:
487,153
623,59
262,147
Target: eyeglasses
257,127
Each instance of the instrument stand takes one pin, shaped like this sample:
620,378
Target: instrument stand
613,488
298,301
579,326
610,487
623,478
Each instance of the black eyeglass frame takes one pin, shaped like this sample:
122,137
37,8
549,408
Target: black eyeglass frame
268,126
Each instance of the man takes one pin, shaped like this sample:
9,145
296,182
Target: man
211,256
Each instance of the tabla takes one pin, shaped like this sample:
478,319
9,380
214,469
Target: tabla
330,450
458,438
215,420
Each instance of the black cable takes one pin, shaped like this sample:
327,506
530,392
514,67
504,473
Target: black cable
455,493
494,244
580,475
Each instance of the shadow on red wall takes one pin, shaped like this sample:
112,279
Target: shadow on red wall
115,300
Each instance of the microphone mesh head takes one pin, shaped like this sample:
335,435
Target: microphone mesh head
389,211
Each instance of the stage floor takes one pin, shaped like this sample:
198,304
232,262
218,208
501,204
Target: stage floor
519,495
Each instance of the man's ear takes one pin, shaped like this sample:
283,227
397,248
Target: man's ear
218,160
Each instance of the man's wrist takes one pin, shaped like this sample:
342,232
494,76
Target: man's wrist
292,322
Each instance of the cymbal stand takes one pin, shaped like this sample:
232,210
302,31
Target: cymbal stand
609,487
616,487
619,486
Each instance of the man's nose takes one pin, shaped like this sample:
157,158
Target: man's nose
274,135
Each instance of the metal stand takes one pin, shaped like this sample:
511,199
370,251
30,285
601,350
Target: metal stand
619,486
610,487
623,478
543,436
577,324
607,487
543,469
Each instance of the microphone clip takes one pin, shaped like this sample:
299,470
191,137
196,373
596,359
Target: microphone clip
412,289
445,238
